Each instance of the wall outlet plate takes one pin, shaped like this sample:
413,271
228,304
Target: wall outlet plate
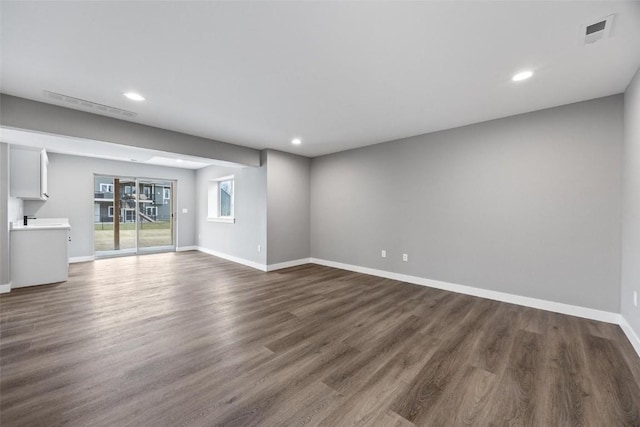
635,298
383,253
405,257
259,248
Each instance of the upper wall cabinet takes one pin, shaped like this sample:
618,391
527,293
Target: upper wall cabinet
29,173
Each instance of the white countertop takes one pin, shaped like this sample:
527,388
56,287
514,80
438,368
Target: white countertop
42,224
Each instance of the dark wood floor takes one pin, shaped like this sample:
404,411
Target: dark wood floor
188,339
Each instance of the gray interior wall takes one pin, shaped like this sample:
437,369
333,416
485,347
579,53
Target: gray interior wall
288,204
528,205
71,192
4,218
631,205
240,239
26,114
11,209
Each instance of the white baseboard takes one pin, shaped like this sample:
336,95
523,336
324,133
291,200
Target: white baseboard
287,264
186,248
557,307
5,288
256,265
75,259
253,264
631,335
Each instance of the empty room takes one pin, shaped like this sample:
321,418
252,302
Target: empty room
324,213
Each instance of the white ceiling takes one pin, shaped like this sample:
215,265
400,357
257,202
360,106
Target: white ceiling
337,74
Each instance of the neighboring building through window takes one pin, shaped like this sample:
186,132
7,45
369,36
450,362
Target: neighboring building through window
106,188
221,199
226,192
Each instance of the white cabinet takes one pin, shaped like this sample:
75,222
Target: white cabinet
39,252
29,173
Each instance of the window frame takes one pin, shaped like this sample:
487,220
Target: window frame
214,191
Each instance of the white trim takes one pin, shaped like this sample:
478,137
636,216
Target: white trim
76,259
242,261
5,288
631,335
186,248
557,307
226,219
287,264
224,178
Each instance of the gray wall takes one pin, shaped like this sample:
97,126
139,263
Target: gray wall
631,205
242,238
71,196
10,210
26,114
4,219
288,204
528,205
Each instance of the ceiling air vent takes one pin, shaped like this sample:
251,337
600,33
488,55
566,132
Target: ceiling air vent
598,30
83,104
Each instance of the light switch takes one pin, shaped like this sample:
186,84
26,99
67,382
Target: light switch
185,210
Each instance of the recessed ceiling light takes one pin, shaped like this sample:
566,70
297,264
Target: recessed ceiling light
296,141
524,75
134,96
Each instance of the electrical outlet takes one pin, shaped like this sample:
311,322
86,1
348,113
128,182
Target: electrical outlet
383,253
259,248
635,298
405,257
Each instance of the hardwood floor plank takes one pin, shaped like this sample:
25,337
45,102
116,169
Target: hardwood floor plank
492,348
464,401
442,369
608,369
520,390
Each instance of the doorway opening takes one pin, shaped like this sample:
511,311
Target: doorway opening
133,215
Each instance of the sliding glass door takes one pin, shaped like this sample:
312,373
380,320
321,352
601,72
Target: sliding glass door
132,215
155,216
